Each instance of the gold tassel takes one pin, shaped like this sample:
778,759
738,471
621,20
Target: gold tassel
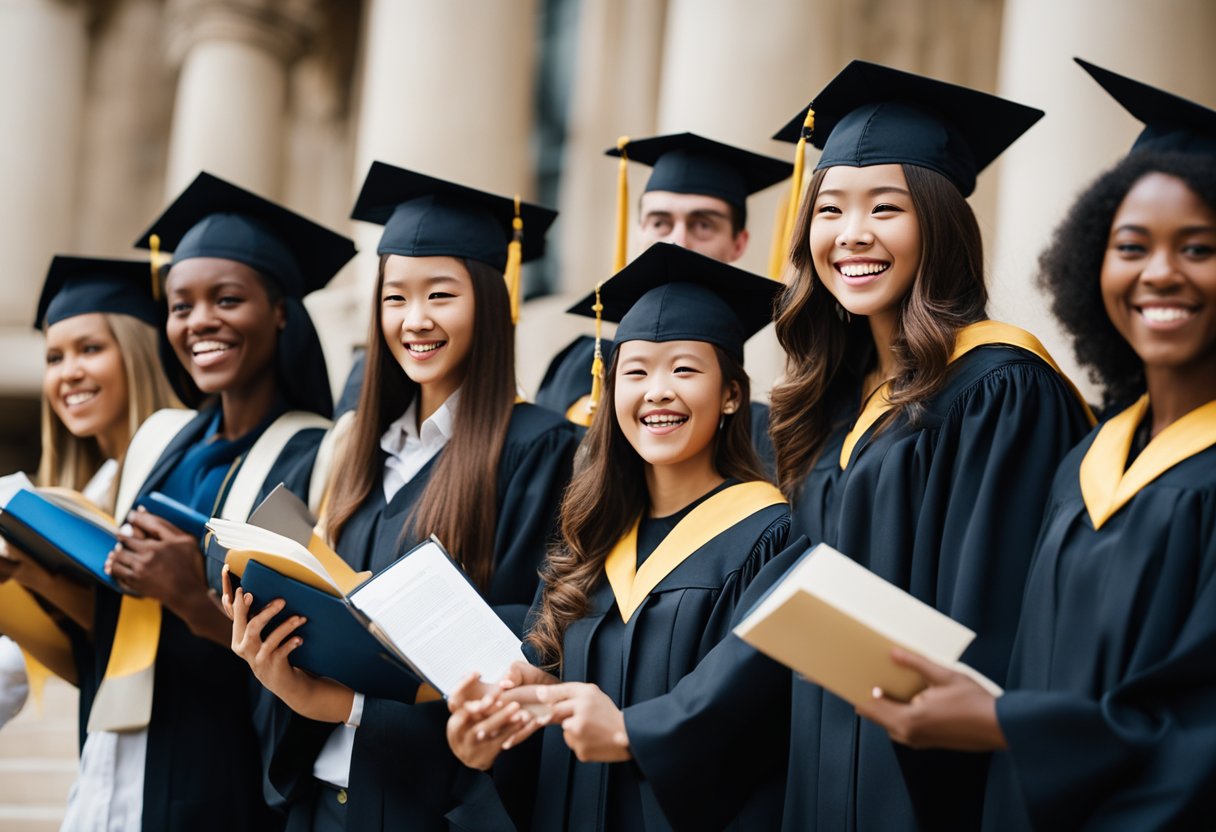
154,260
791,217
597,363
622,206
777,253
515,257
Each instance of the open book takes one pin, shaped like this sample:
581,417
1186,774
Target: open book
58,528
421,612
835,622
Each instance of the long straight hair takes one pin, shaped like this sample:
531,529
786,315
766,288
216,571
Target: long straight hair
827,358
70,461
607,494
459,503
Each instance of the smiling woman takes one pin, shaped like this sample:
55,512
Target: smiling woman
664,526
438,445
163,695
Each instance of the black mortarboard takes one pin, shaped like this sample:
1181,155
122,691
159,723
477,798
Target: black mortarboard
214,218
874,115
427,217
669,293
685,163
80,285
1171,123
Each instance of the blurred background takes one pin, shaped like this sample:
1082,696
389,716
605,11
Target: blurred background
110,107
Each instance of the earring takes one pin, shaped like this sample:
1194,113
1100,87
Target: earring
843,314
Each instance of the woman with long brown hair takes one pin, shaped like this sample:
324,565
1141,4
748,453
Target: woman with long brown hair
913,434
437,446
665,524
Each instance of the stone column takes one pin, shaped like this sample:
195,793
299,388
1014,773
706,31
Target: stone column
737,72
1167,44
43,49
446,89
231,101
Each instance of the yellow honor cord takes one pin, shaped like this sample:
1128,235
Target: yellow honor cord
791,216
622,206
597,363
154,261
515,256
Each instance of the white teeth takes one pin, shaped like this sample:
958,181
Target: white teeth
200,347
425,347
1165,314
73,399
862,269
662,420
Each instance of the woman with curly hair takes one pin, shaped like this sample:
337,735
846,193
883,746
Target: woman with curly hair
1109,721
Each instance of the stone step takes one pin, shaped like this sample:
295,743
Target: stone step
35,782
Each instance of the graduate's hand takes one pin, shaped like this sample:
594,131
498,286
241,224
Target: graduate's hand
323,700
592,725
954,712
156,559
522,673
16,565
482,727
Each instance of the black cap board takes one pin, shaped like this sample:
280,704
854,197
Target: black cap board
685,163
214,218
428,217
1171,123
669,293
874,115
81,285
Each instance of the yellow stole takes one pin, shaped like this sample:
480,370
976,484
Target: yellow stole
979,334
1106,487
46,648
711,518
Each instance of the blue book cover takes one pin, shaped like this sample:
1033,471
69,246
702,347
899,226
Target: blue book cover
335,644
193,523
64,539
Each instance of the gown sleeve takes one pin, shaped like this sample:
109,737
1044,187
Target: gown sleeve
1142,755
980,483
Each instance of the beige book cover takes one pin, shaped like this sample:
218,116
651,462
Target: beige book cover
835,622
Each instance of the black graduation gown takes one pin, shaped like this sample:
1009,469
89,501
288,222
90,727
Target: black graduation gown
1110,712
201,770
637,663
947,509
403,775
568,379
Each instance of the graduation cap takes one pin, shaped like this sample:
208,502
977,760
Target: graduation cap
874,115
685,163
80,285
1171,123
428,217
214,218
669,293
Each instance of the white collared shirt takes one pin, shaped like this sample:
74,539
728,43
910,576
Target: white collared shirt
409,450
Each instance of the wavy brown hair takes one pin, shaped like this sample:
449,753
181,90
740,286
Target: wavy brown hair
607,494
827,358
459,504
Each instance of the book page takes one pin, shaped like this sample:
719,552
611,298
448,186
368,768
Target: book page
435,617
282,554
